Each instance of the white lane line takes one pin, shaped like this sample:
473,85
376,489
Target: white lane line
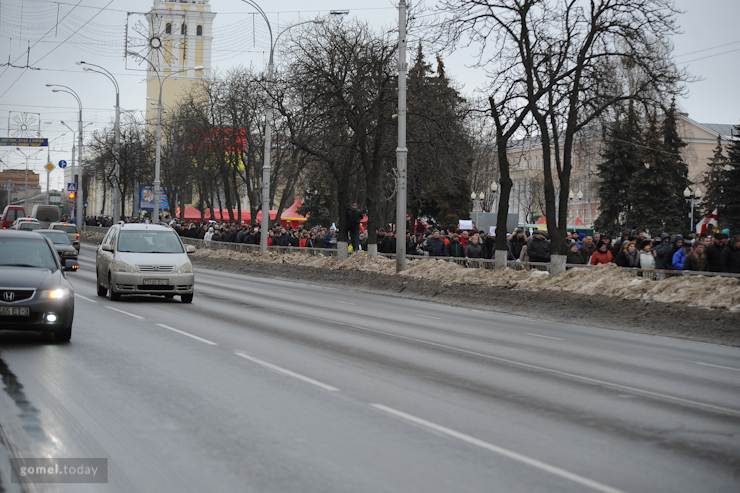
286,372
546,337
501,451
717,366
85,298
283,291
125,313
427,316
344,302
187,334
548,370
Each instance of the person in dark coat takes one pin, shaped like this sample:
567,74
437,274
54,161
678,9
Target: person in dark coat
474,248
435,245
574,255
731,256
714,253
517,242
629,256
697,259
662,250
354,217
454,248
538,249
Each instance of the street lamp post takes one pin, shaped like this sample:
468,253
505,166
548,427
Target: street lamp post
690,197
158,152
116,137
401,151
78,204
265,223
494,190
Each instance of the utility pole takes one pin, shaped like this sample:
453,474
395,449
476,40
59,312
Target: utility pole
401,150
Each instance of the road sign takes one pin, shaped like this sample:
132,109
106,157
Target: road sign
86,203
71,187
22,142
49,167
62,164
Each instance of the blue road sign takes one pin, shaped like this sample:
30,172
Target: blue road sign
62,164
86,203
71,187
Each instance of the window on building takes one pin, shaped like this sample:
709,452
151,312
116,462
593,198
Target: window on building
168,28
199,31
184,29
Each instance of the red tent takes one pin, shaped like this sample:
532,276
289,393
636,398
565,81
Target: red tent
191,214
291,218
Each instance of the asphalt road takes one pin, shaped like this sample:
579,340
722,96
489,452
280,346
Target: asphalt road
271,386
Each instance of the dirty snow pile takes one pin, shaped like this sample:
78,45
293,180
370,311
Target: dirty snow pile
603,280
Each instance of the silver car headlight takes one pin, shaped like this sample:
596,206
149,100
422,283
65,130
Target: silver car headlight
54,294
185,268
122,267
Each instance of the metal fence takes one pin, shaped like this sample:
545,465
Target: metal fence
653,274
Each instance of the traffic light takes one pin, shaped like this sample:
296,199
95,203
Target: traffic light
71,195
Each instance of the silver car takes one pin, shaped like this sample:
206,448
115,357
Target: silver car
144,259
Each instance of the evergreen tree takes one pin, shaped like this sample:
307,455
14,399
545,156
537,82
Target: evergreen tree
731,187
621,160
656,190
713,181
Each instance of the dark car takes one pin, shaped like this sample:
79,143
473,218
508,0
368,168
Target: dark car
34,291
61,242
71,230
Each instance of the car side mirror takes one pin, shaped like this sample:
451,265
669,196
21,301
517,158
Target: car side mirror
71,265
190,249
107,247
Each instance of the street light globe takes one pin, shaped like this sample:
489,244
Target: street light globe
494,187
697,193
473,196
481,195
687,193
580,195
571,195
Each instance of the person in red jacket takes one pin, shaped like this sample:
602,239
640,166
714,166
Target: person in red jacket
602,255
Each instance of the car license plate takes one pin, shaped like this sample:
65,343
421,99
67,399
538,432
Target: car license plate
15,311
156,282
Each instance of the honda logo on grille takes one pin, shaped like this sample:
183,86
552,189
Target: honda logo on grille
8,296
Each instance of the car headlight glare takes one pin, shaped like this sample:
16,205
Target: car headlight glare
185,268
122,267
54,294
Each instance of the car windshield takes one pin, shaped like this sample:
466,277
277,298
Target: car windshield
26,252
149,242
29,225
59,238
67,228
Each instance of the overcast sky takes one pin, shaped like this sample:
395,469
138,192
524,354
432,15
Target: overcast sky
709,48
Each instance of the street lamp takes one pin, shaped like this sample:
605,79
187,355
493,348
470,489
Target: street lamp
690,197
268,117
78,205
494,190
116,190
158,153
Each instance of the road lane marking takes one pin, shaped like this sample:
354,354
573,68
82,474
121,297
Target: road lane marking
427,316
283,291
125,313
85,298
546,337
681,400
187,334
287,372
501,451
344,302
717,366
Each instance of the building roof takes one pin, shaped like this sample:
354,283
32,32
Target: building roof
723,129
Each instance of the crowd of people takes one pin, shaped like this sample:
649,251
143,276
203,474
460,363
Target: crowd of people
714,252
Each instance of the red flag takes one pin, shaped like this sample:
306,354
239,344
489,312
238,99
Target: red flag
701,226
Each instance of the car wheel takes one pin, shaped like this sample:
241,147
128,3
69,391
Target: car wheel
112,295
102,290
64,335
187,298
